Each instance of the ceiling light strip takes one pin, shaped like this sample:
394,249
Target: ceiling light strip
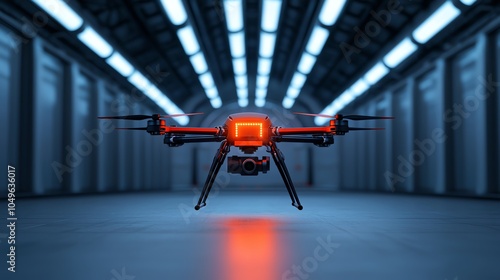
328,15
432,25
177,14
72,21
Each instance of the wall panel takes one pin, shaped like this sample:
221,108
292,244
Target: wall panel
428,155
50,160
468,124
9,102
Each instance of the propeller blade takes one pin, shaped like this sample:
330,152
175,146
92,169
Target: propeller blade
145,117
314,115
362,117
181,115
366,128
130,128
129,117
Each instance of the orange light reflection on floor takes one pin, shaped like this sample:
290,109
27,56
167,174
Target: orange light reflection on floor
250,249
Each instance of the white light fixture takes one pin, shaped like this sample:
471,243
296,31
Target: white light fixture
234,15
271,15
260,102
345,98
377,72
292,92
288,102
400,52
264,67
243,102
261,93
242,93
139,81
468,2
199,63
175,11
211,92
153,93
206,80
120,64
62,13
95,42
188,40
267,40
262,81
298,80
359,87
306,63
216,102
330,11
445,14
317,40
240,65
237,44
241,81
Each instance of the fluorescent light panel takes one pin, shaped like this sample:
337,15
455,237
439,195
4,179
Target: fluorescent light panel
400,52
468,2
271,15
298,80
261,93
188,40
288,102
95,42
240,65
206,80
243,102
317,40
237,44
120,64
139,81
267,41
216,102
242,93
330,11
436,22
62,13
175,11
359,87
211,92
241,81
377,72
262,81
234,15
306,63
260,102
264,67
292,92
199,63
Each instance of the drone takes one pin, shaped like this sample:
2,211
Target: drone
248,131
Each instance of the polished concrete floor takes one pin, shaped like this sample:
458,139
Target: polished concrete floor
255,235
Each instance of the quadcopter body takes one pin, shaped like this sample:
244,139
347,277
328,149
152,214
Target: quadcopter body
247,131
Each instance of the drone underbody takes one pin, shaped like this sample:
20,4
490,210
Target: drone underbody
248,132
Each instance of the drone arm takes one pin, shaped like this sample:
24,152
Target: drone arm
215,131
179,140
280,131
316,140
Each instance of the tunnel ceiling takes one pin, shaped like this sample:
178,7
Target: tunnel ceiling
144,34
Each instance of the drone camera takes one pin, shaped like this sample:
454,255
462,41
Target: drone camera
247,165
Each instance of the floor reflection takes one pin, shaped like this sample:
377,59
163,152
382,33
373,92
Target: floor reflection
251,248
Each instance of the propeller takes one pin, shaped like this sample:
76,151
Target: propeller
366,128
349,117
131,128
144,117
